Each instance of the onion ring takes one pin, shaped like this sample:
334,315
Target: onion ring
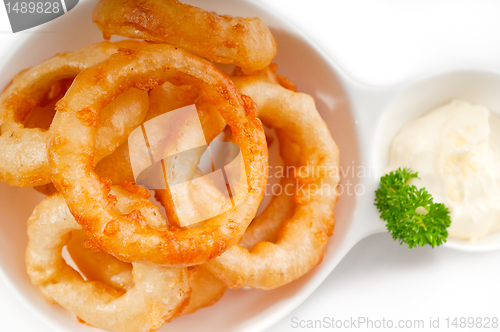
23,151
159,293
302,238
88,197
100,266
245,42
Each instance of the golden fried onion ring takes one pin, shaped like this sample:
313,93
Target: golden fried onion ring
206,289
23,151
245,42
301,240
88,198
159,293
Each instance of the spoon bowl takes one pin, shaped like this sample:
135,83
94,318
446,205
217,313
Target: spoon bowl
478,86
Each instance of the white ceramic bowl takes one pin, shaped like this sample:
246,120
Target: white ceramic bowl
414,99
239,310
362,121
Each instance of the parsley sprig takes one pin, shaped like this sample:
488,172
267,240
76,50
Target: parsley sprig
411,214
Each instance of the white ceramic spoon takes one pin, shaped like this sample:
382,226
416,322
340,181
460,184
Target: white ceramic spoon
362,121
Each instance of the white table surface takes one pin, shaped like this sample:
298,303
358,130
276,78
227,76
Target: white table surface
380,42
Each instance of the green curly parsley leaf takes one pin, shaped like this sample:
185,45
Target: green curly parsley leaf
412,216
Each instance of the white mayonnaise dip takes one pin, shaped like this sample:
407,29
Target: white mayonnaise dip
456,151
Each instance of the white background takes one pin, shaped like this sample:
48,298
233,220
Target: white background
380,42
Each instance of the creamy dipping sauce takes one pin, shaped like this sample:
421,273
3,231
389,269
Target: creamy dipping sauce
456,151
